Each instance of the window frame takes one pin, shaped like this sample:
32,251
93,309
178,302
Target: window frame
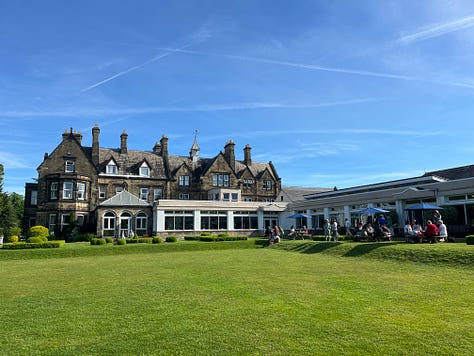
69,166
68,193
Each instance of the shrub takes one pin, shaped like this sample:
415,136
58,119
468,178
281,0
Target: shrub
157,240
130,240
223,234
98,241
206,233
470,239
109,240
87,236
36,240
13,238
14,231
145,240
192,238
121,242
25,245
38,231
171,239
318,238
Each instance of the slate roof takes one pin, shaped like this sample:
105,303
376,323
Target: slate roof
125,198
453,173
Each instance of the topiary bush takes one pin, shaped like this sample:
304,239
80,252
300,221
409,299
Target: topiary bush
109,240
470,240
38,231
121,242
35,240
98,241
171,239
157,240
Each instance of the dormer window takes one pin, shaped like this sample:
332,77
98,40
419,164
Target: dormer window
111,168
144,170
69,167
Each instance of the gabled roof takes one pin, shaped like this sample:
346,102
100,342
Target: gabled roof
125,198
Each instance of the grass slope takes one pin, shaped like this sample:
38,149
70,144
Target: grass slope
231,298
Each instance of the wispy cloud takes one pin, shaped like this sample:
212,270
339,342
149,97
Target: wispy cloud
436,30
13,161
73,112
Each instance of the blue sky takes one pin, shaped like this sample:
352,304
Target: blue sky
334,93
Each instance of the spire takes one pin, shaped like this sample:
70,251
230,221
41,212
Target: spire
194,152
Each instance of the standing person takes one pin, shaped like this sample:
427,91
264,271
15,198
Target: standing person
327,230
443,231
431,232
436,217
334,232
347,224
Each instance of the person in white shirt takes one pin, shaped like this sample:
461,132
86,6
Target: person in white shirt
443,231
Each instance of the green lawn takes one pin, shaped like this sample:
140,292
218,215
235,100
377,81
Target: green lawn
196,298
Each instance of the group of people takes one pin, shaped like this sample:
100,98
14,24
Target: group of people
435,230
376,229
330,230
274,235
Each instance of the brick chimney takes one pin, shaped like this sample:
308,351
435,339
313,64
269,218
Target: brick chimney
164,146
123,143
229,153
248,155
95,144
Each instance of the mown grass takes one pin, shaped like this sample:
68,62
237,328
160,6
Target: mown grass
232,298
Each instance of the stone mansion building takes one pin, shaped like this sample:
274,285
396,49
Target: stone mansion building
112,191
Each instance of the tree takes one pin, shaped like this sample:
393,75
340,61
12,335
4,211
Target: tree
11,210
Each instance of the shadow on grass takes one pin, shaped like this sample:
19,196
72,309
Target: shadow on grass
364,248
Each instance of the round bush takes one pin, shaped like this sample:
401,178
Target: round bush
171,239
38,231
470,240
109,240
157,240
121,242
13,239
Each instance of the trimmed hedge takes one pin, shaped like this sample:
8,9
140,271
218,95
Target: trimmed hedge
470,239
212,238
121,242
171,239
157,240
98,241
28,245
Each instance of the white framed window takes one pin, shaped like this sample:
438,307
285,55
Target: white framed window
102,191
248,184
69,167
81,191
157,194
183,181
53,190
109,224
226,197
34,197
52,223
267,185
144,170
141,224
183,196
65,220
220,180
111,168
67,190
235,197
144,194
80,220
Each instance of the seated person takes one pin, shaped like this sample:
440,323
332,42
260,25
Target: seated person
431,232
385,233
369,230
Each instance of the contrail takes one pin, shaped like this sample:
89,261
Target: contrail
437,30
154,59
299,65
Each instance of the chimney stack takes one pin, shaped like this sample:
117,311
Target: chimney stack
123,143
229,153
164,146
248,155
95,145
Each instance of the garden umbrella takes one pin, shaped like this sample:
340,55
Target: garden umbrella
300,216
422,207
372,211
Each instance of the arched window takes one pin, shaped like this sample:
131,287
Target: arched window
108,228
141,224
